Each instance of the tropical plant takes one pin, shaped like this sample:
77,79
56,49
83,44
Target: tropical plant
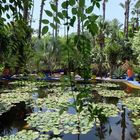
4,41
135,45
112,50
20,45
119,73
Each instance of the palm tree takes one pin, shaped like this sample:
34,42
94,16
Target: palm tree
26,5
136,11
40,18
126,7
56,24
102,25
78,21
104,8
32,12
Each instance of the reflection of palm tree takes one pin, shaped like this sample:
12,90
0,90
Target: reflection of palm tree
123,123
102,129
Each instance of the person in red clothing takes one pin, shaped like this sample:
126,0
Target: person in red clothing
130,74
6,72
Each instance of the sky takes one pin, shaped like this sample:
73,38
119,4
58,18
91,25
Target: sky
113,10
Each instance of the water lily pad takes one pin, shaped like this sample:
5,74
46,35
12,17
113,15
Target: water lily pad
22,135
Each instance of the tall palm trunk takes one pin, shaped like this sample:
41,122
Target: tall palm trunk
104,9
126,23
137,11
78,26
137,20
56,24
102,38
125,7
40,18
78,21
32,12
26,10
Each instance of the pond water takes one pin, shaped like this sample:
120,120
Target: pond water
13,121
116,128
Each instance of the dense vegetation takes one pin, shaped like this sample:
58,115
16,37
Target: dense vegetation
98,47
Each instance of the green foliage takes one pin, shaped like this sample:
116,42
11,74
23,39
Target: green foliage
78,12
89,9
8,100
49,13
65,4
118,73
136,44
72,2
110,90
45,29
112,93
66,123
132,103
29,135
13,9
81,121
24,135
4,40
113,55
136,69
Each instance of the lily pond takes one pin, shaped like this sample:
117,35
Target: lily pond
51,111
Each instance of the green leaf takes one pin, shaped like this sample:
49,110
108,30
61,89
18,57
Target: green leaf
93,28
86,23
6,7
54,7
65,5
71,2
45,21
89,9
4,1
11,1
8,16
98,5
45,30
12,8
72,21
49,13
60,15
74,11
81,3
53,26
83,17
56,20
64,12
93,18
79,13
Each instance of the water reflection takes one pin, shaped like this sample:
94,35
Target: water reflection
13,121
115,128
